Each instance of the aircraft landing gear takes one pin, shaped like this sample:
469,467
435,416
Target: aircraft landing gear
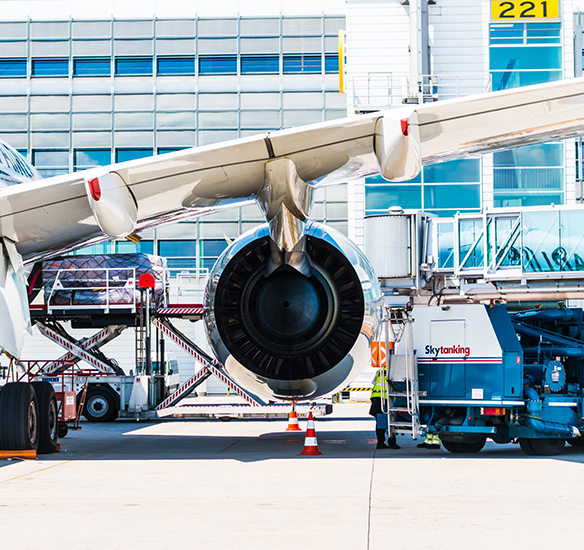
48,417
28,417
19,417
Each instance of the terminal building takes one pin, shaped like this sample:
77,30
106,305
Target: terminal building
88,83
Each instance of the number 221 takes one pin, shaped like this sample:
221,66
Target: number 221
529,8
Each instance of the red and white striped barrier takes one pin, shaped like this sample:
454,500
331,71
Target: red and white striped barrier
189,385
105,335
75,349
208,363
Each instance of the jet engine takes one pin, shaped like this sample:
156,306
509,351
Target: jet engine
286,333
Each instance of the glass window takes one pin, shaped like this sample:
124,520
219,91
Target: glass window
217,27
259,45
528,178
92,66
332,25
534,57
102,248
524,199
514,79
132,29
542,154
217,102
136,120
12,68
269,120
452,196
175,65
217,46
133,102
445,240
92,121
380,198
13,30
331,63
50,67
86,158
50,162
164,150
128,247
455,171
178,248
259,27
176,120
49,30
123,155
50,158
91,29
260,65
175,28
218,64
211,120
304,25
133,66
302,64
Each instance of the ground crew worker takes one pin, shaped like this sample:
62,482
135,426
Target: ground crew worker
376,411
432,441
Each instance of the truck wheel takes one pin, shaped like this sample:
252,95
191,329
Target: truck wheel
547,446
464,447
100,406
48,417
526,447
63,430
19,417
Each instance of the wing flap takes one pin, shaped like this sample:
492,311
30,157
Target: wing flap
500,120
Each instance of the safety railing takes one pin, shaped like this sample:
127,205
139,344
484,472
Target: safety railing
380,90
92,288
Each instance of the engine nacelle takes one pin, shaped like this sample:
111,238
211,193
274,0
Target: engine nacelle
284,335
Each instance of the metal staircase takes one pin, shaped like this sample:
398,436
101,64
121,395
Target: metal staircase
402,402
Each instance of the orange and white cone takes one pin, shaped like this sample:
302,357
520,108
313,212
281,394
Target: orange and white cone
293,421
310,442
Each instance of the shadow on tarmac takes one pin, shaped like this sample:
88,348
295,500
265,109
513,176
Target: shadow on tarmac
132,441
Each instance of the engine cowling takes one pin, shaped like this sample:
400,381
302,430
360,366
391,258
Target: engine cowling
285,335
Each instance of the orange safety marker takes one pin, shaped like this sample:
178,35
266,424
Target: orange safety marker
310,442
31,455
293,420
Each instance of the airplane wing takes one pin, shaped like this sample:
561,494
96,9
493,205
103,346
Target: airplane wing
59,214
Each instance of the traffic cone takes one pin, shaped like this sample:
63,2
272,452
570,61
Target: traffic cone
310,442
293,421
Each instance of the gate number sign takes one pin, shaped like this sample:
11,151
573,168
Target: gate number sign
521,9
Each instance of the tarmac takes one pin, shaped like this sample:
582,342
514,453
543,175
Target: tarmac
207,484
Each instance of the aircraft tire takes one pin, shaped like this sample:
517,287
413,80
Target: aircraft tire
48,417
19,417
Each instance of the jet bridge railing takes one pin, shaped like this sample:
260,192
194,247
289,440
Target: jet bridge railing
503,244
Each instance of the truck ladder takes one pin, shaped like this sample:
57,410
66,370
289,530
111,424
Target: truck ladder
73,347
101,338
210,367
411,393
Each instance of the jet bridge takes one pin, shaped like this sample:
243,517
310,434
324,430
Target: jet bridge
505,254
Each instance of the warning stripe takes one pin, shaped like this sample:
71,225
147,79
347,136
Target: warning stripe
78,351
201,375
85,345
359,389
212,366
181,311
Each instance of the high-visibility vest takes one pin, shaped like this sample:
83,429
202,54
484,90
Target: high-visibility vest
377,385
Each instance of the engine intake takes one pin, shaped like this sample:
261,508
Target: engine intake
293,334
